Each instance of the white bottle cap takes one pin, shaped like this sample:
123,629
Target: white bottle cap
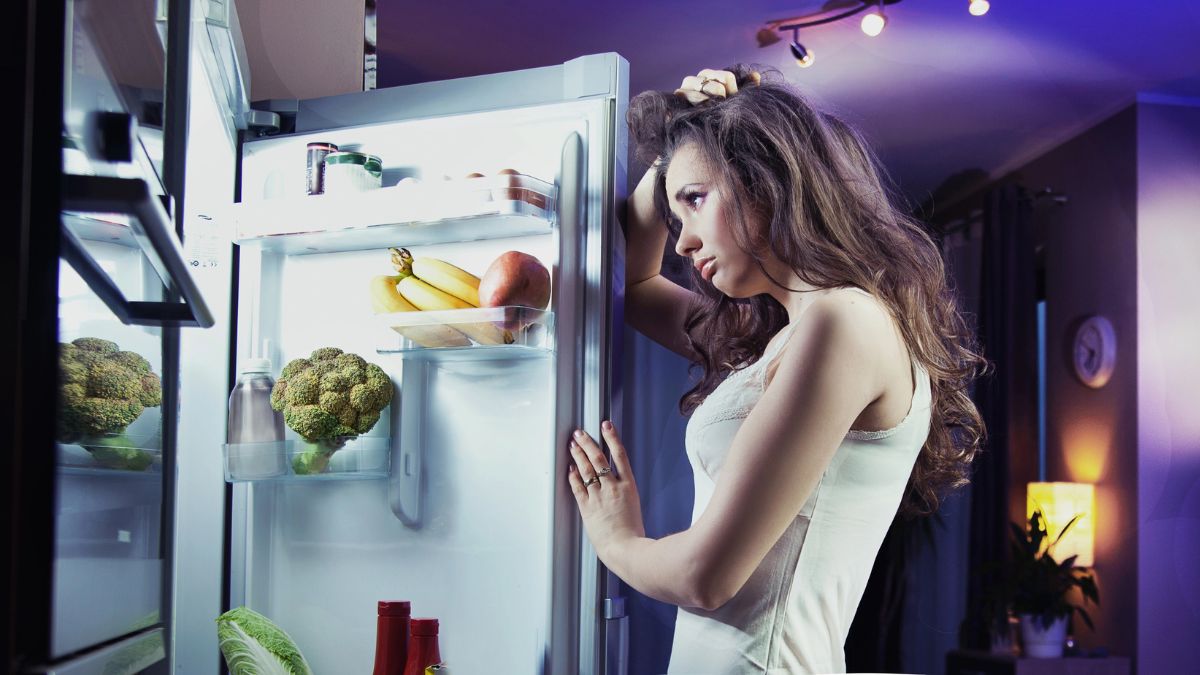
256,366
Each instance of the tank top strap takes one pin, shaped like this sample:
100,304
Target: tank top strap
781,339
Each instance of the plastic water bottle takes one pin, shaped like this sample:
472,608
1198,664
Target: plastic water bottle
255,432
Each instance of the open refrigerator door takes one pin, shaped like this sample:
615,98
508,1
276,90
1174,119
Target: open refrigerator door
455,499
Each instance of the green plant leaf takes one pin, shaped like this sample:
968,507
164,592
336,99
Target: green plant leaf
1065,528
1086,619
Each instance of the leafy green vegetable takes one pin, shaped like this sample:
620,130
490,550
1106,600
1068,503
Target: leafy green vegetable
137,657
252,645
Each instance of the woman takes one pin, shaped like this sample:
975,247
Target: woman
834,372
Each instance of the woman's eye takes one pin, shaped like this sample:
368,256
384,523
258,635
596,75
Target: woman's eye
694,200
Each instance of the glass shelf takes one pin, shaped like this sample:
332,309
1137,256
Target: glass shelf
408,214
363,457
107,456
468,334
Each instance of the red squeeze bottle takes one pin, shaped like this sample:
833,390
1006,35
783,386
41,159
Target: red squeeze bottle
391,637
423,647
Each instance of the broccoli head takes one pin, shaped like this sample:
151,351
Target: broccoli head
331,394
102,389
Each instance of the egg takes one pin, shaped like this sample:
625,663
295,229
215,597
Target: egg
477,194
510,192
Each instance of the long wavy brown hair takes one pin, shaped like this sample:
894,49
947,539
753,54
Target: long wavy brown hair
805,188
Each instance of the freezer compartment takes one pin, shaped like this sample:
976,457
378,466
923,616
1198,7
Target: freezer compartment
411,212
486,332
299,460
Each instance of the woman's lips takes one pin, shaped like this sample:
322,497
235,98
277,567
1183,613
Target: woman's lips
706,267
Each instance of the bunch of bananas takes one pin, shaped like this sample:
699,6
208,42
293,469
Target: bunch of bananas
431,284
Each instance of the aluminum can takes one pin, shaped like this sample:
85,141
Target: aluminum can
316,166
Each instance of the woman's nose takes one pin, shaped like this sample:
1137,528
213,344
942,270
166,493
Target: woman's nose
686,243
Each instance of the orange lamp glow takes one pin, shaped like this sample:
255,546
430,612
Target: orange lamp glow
1060,502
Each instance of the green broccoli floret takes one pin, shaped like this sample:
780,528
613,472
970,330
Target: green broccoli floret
328,397
102,389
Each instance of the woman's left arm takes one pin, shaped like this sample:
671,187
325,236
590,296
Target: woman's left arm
825,377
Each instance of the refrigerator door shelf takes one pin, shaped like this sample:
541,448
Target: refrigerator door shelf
468,334
89,456
360,458
110,228
132,655
152,228
408,214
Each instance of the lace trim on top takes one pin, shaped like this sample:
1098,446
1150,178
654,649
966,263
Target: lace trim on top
736,396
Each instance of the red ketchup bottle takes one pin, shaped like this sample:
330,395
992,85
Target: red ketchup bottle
423,647
391,637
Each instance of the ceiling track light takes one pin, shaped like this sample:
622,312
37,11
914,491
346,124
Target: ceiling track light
874,22
836,10
872,25
803,55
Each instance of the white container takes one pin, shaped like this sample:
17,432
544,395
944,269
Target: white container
352,172
1041,642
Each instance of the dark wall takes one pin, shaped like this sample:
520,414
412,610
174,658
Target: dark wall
1091,434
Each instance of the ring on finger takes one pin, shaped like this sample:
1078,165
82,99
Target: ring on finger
604,472
593,479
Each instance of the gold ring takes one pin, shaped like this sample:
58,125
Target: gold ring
594,479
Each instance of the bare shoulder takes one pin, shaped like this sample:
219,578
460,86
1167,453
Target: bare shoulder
845,325
856,319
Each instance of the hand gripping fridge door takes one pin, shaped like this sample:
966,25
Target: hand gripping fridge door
453,500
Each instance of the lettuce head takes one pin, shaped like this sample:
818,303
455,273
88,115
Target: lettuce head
252,645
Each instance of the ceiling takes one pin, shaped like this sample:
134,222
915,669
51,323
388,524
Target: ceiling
938,93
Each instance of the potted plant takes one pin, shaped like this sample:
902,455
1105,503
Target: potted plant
1038,587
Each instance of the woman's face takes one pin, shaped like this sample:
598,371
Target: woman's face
704,235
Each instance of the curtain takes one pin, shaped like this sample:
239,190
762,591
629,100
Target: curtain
1007,399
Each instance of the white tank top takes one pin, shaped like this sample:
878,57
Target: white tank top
793,614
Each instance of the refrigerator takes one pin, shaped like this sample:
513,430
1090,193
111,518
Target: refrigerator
185,235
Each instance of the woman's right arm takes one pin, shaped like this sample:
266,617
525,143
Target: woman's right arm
655,306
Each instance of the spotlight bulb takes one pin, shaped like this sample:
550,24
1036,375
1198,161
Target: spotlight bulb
804,57
873,23
979,7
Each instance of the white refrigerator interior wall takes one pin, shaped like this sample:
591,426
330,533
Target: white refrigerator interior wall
320,554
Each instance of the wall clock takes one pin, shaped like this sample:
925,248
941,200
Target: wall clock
1095,351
